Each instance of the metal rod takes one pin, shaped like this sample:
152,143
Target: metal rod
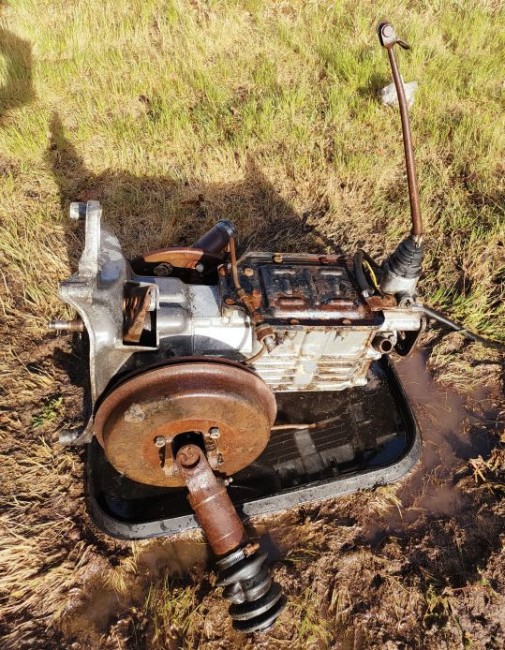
443,320
388,39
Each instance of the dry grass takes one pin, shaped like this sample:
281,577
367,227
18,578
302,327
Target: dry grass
175,114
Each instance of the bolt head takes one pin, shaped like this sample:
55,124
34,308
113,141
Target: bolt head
214,433
163,270
248,272
200,267
77,210
159,442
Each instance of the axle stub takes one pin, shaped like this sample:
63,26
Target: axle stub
256,600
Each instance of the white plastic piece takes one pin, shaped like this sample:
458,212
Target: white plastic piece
390,98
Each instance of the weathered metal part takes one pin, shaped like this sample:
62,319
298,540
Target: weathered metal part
209,499
256,600
96,293
311,288
384,343
186,258
217,238
407,340
322,326
186,396
137,303
388,39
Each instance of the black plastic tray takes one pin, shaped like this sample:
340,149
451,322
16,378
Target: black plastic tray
371,437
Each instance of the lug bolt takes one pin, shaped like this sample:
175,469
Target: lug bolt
214,433
387,31
77,210
163,270
159,442
75,325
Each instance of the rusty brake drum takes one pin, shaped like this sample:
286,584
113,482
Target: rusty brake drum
227,408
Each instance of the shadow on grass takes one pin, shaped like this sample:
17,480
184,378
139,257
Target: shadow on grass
17,89
149,212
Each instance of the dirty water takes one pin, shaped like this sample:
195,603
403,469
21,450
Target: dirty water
455,428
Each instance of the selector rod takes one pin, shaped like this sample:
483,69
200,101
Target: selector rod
388,39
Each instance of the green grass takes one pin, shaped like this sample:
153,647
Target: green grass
185,94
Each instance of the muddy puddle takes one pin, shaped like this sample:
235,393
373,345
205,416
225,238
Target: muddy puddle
455,428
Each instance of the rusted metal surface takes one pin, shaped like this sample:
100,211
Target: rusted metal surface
388,39
195,395
306,287
186,258
137,301
209,499
379,303
205,253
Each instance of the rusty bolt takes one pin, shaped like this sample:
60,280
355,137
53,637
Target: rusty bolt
248,272
159,442
277,258
163,270
188,456
388,31
229,301
214,433
294,321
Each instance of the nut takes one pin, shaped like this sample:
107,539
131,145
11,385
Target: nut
248,272
214,433
163,270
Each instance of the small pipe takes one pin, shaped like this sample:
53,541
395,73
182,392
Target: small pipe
217,238
233,263
256,356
